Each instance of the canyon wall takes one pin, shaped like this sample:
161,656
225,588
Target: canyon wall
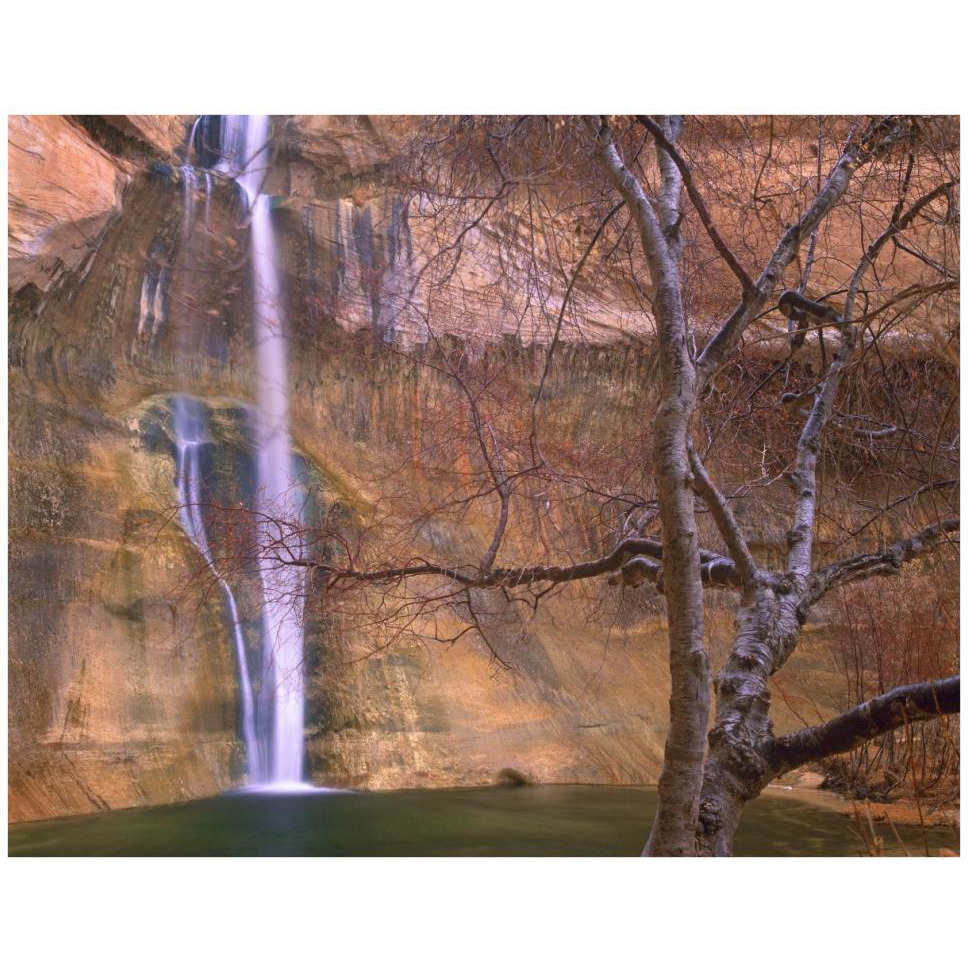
122,680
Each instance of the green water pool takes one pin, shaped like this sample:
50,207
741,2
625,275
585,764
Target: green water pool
596,821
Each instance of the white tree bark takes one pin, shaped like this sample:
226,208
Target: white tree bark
702,790
674,829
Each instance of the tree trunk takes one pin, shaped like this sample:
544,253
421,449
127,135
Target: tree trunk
736,770
674,830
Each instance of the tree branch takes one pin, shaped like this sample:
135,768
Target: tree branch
923,489
906,704
879,138
804,479
714,569
886,562
697,202
667,203
898,224
725,519
627,185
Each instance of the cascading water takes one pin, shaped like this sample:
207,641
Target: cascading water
279,499
189,184
191,437
273,719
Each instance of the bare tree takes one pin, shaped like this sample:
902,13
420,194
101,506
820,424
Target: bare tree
702,792
851,225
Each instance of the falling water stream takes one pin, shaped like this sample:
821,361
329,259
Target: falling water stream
191,438
272,716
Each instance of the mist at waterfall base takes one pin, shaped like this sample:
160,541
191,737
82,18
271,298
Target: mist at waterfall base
272,715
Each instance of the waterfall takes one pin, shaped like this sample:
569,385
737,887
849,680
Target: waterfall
279,498
208,198
188,417
189,184
272,717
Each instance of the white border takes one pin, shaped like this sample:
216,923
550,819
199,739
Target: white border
497,56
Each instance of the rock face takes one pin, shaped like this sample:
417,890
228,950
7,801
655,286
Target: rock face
122,679
65,187
64,190
163,133
338,145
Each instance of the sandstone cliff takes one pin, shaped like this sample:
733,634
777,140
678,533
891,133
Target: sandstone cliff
122,684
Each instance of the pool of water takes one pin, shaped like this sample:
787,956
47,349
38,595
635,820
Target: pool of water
543,821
